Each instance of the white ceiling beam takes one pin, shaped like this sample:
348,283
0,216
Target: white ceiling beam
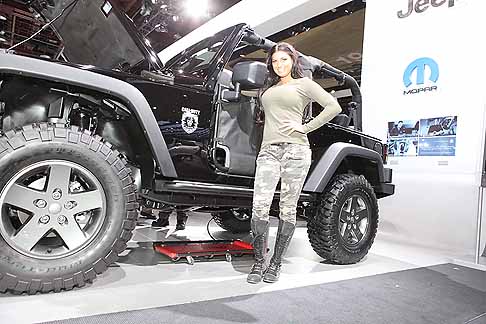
266,17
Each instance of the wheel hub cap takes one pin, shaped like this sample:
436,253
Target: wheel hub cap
55,208
354,220
52,209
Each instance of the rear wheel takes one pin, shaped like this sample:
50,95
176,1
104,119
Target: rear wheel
344,225
67,208
235,220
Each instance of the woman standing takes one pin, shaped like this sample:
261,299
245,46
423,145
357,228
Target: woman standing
285,153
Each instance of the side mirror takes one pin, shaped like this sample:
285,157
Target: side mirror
248,75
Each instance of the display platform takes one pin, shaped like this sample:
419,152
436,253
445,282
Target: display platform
446,294
142,279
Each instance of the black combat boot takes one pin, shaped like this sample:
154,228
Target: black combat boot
181,220
259,230
163,219
284,235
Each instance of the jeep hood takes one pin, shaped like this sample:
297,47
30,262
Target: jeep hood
96,32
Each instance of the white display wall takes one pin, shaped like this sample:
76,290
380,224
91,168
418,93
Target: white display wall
436,199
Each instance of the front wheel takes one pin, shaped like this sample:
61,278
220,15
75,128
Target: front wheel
68,207
345,222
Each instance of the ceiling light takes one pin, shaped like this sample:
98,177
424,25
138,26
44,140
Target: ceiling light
196,8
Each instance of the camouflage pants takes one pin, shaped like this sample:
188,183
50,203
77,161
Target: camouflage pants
285,161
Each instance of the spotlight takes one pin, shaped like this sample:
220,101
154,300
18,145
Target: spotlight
3,18
196,8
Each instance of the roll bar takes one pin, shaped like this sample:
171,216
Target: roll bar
322,69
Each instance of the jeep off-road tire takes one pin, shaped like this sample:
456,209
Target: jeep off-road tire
345,221
68,208
234,220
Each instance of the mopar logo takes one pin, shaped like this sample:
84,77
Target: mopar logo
421,67
421,5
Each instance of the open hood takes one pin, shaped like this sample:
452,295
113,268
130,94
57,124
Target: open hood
96,32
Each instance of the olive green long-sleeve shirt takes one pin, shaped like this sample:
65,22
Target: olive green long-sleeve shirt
286,103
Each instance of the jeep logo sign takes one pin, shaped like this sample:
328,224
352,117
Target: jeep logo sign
421,66
421,5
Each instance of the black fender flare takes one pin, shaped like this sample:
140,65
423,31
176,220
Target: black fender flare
332,158
31,67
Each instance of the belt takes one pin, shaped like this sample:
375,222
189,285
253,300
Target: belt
281,144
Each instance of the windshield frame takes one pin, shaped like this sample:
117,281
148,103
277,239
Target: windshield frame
211,69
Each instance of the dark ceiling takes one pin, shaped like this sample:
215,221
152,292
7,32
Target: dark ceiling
161,21
165,21
335,36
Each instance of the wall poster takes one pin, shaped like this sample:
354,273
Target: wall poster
424,137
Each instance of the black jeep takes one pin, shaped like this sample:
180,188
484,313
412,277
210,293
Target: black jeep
85,138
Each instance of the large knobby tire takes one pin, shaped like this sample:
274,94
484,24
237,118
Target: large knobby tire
345,221
234,220
68,207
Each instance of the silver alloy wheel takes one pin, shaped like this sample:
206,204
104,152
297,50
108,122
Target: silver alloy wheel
51,209
354,219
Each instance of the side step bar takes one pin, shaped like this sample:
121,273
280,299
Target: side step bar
202,188
213,189
205,194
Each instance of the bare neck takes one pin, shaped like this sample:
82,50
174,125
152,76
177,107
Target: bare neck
285,79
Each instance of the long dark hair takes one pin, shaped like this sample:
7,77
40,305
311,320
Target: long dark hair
296,71
273,78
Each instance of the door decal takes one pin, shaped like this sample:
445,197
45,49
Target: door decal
190,119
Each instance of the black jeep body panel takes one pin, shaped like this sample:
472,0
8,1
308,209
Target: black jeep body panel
63,74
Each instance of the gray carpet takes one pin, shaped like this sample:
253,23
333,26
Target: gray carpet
441,294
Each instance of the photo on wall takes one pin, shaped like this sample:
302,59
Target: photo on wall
403,128
437,146
424,137
440,126
403,137
438,136
405,146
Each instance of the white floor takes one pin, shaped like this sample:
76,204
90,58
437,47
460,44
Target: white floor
143,279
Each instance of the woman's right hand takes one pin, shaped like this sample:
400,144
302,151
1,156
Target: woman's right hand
293,126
